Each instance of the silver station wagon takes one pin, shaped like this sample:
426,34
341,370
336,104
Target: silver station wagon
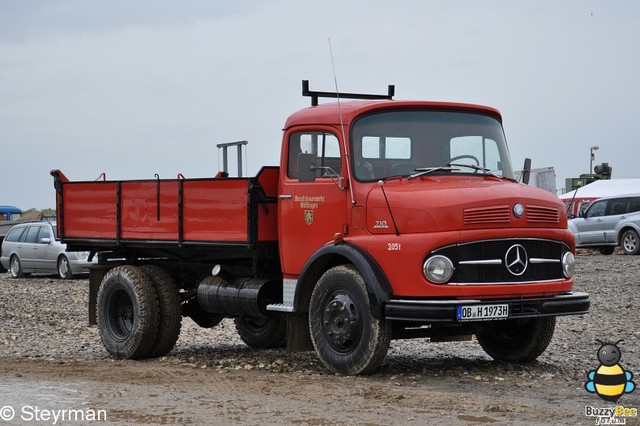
609,222
33,247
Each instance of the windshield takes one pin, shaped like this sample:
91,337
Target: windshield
402,143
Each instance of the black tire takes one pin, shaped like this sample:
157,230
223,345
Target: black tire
606,250
201,317
127,313
64,269
262,333
170,310
346,337
15,267
517,340
630,242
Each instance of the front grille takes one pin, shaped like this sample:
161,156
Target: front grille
502,214
538,214
487,262
494,214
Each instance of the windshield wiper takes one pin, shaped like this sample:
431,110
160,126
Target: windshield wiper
476,168
426,170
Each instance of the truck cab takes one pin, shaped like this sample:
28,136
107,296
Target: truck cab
420,198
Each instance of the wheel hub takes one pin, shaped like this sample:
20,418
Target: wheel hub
630,243
340,320
121,314
64,267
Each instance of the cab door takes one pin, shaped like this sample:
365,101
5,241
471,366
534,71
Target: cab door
311,212
591,229
46,251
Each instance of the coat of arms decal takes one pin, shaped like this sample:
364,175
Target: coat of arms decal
308,217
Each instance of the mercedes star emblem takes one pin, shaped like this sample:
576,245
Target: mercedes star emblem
516,260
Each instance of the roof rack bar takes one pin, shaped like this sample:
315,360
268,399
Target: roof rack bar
316,95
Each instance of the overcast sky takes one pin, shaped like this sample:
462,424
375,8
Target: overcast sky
134,88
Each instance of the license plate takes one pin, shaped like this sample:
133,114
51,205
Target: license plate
482,312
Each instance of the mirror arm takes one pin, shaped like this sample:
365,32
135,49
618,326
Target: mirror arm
337,179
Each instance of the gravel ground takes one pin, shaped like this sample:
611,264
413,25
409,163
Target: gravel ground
42,317
43,321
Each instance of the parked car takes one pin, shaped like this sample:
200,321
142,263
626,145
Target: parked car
33,247
609,222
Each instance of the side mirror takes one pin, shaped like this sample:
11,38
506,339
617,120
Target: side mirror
526,171
45,240
307,167
581,213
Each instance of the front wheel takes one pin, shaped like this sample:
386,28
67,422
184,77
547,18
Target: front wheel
517,340
15,267
347,338
630,242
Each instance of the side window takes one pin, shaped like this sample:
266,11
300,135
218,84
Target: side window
323,145
634,205
618,206
32,234
15,234
44,233
597,208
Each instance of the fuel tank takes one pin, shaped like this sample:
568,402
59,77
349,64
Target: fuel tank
240,296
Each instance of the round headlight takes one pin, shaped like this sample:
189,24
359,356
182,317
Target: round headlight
568,264
438,269
82,254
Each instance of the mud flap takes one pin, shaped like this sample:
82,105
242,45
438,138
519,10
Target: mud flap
298,336
96,274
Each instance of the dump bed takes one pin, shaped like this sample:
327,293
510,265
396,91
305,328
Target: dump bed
168,212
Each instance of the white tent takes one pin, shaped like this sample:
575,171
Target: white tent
604,188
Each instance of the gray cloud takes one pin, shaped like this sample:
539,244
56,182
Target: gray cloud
137,88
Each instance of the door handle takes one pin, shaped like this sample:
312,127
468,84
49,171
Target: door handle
285,196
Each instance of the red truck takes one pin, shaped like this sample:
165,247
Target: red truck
385,219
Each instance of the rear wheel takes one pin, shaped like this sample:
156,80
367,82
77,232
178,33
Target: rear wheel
64,270
630,242
170,312
346,337
262,333
127,313
517,340
15,267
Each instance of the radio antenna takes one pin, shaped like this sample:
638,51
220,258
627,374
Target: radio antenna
344,139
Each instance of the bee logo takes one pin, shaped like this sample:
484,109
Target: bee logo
610,381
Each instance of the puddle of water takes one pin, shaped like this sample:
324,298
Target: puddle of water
15,391
32,401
